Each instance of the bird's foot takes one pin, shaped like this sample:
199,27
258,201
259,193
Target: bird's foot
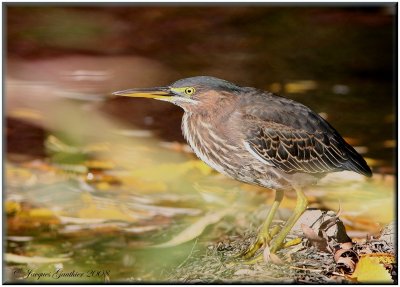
275,246
262,240
261,256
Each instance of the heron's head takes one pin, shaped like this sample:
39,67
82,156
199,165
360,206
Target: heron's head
189,93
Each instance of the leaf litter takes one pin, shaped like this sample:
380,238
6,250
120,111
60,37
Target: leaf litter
319,258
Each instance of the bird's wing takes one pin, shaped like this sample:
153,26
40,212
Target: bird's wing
291,137
294,150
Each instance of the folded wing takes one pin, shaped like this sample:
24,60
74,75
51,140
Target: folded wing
291,137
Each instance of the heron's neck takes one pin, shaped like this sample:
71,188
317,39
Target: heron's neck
210,109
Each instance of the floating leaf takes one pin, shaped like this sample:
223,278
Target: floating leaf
76,220
99,208
99,164
155,210
19,238
36,259
195,229
41,212
389,143
300,86
12,207
20,176
145,185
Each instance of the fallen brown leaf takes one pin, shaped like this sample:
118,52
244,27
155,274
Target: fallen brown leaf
345,264
315,240
346,245
271,257
346,260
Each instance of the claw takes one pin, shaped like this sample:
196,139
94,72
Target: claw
262,239
257,245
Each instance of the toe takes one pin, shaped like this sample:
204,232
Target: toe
257,245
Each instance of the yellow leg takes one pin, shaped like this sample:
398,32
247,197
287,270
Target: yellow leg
301,206
264,235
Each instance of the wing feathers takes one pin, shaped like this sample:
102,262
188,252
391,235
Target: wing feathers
299,151
291,137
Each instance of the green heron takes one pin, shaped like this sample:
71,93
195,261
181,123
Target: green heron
259,138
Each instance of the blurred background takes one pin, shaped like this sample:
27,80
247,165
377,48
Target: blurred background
94,182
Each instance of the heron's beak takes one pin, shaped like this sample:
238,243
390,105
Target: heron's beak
162,93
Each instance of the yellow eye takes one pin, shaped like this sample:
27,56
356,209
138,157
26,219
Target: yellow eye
189,91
